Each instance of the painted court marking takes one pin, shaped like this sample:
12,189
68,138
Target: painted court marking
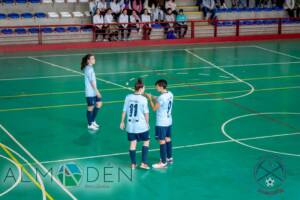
179,85
176,147
186,50
77,72
38,163
122,101
226,134
123,52
150,71
276,52
8,149
226,72
19,176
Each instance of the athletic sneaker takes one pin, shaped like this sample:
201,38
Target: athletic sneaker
144,166
170,160
160,165
92,127
95,124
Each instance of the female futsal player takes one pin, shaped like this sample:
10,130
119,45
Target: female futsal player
162,105
93,96
137,123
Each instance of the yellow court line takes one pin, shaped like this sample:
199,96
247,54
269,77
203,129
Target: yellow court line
151,88
26,172
176,97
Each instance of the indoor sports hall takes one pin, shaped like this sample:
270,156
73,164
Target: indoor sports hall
149,99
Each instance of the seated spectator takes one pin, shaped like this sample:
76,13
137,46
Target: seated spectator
137,5
297,8
158,15
153,3
92,7
146,5
102,6
170,4
235,3
116,8
134,21
123,25
110,25
169,21
222,4
98,20
292,8
114,31
208,6
126,4
181,24
146,19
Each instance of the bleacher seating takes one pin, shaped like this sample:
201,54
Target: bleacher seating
61,12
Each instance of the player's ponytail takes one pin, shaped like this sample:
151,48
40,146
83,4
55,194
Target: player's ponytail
84,61
138,84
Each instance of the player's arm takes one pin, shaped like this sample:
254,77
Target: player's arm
123,116
122,124
92,79
94,86
153,102
147,118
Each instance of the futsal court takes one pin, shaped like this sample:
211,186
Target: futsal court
234,105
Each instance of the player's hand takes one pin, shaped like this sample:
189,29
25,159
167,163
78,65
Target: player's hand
148,95
98,94
122,126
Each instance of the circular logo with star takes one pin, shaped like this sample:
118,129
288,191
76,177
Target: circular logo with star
269,173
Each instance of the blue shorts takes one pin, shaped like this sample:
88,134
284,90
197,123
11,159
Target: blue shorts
138,136
91,101
161,132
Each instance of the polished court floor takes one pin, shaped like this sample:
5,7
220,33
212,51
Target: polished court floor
236,131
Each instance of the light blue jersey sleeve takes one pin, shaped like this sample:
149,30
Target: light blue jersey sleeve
91,75
146,108
125,105
164,112
160,100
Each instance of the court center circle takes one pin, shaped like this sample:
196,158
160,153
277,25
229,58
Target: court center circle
223,128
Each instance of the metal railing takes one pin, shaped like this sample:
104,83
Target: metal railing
194,29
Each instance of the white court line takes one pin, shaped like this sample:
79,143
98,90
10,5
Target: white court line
37,77
224,77
223,129
19,176
123,52
277,52
226,72
202,74
38,163
150,71
31,167
176,147
80,73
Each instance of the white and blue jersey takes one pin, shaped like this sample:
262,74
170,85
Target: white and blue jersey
164,112
136,106
89,77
